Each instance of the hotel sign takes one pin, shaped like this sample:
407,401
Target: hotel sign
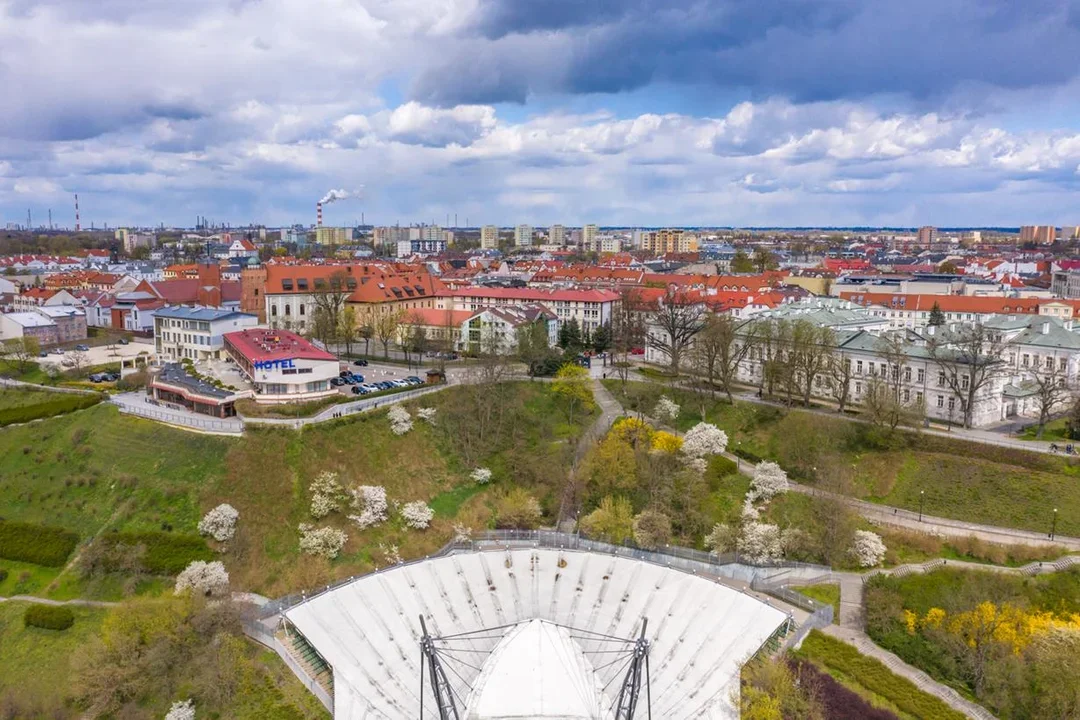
273,364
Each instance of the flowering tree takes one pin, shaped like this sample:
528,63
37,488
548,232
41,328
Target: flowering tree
652,529
370,500
481,476
760,542
391,554
417,515
697,465
324,542
722,539
867,548
181,710
427,415
704,439
666,409
220,523
461,533
204,578
326,494
749,512
769,481
400,420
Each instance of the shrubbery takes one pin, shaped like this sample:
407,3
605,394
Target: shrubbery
723,466
3,574
166,554
49,617
61,404
37,544
874,676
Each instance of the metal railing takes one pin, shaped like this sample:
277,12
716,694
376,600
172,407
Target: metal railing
686,559
233,427
258,632
821,614
335,412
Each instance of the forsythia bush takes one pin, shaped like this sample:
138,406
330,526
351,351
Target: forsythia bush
417,515
666,442
220,523
1007,624
632,431
324,542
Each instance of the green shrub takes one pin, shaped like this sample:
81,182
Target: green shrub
875,676
58,406
3,574
166,554
37,544
747,455
723,466
49,617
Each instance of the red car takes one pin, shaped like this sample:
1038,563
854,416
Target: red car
637,351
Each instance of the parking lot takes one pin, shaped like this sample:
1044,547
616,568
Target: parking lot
100,355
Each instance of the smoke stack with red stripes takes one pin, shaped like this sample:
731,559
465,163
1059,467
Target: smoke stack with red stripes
78,227
333,196
318,214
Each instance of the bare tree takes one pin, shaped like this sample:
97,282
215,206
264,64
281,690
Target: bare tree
677,320
627,332
884,408
892,349
23,349
1052,391
719,348
347,328
968,359
329,297
811,348
385,325
772,348
838,376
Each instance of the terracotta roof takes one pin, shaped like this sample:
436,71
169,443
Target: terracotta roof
948,303
537,294
259,344
437,318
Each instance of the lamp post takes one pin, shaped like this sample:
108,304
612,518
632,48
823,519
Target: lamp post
922,497
1053,525
738,456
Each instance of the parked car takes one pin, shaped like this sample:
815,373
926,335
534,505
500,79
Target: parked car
359,390
358,378
82,348
43,354
98,377
336,382
57,351
360,363
415,380
112,376
124,341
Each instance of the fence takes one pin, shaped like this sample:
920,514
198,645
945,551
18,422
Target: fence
821,615
258,632
176,417
50,388
344,409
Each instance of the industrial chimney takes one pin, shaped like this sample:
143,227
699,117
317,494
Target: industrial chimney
78,227
318,214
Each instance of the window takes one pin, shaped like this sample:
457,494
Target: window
952,404
288,309
858,367
1063,364
1049,363
858,388
918,397
907,374
964,382
301,308
1026,360
921,376
907,395
941,401
273,310
941,378
884,369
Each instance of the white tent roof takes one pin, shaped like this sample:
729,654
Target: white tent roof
701,632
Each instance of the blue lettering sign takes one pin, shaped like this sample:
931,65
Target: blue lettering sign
273,364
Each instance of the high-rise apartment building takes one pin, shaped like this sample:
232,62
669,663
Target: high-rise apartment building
523,235
1038,234
326,235
1070,232
670,240
489,237
927,235
557,235
588,235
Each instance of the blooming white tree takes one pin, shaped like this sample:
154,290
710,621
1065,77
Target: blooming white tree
326,494
481,476
324,542
760,542
400,420
181,710
868,549
391,554
220,523
462,534
749,512
666,409
417,515
722,539
696,465
204,578
370,500
769,481
704,439
427,415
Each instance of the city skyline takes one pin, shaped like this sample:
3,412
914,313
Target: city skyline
632,114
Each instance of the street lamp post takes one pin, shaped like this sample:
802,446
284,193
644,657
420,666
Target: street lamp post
738,456
1053,525
922,497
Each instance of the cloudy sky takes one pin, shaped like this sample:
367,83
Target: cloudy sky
651,112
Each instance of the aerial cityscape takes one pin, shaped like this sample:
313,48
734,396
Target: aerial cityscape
494,360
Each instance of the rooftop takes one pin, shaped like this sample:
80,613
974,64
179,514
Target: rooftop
258,344
198,313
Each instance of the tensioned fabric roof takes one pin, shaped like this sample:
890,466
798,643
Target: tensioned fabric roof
701,632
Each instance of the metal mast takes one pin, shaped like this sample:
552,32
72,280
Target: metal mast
440,686
631,685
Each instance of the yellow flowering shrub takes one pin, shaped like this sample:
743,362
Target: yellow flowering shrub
631,430
666,442
986,622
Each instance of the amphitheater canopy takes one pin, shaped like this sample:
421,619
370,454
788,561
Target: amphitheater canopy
534,634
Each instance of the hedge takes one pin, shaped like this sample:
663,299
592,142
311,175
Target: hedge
876,677
57,406
49,617
839,701
723,466
37,544
747,455
166,554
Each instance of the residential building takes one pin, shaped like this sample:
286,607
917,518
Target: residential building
588,235
671,240
281,365
441,327
1070,232
35,297
927,235
523,235
195,333
242,248
557,235
389,237
1038,234
912,311
1065,283
420,246
69,321
489,237
495,330
590,308
326,235
28,324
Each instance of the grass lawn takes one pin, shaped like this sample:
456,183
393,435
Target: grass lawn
1053,432
19,397
37,663
951,477
249,408
825,593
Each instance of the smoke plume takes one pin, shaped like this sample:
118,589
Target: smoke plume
335,195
